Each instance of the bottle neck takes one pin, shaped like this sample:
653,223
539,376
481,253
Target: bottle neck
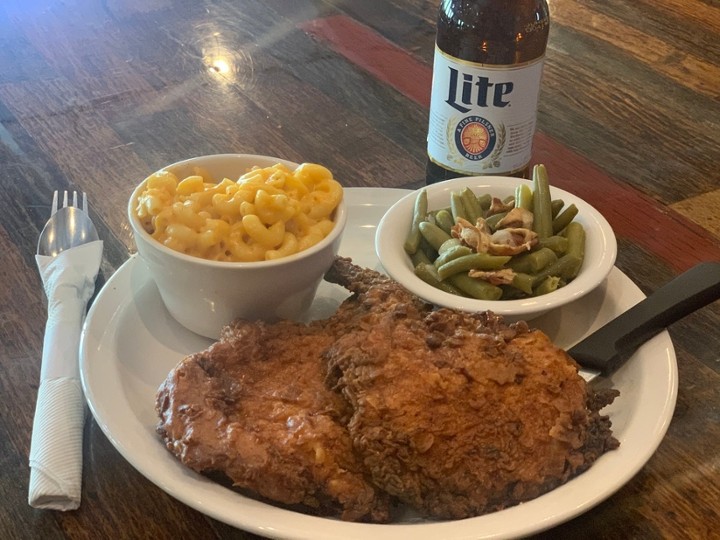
499,32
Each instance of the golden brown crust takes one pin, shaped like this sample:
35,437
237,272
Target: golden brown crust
255,408
453,413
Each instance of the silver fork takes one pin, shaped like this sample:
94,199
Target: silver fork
83,206
56,446
68,226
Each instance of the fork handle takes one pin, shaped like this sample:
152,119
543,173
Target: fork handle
607,348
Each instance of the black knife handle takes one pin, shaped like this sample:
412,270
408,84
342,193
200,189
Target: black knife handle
607,348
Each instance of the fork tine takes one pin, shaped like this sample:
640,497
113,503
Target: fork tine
79,201
54,203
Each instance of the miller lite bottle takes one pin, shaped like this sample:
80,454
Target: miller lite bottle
486,80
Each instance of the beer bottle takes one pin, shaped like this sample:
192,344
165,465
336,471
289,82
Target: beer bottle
486,80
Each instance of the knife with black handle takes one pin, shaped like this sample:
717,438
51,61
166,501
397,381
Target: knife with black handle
606,349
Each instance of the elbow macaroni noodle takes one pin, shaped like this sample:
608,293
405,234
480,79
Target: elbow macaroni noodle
268,213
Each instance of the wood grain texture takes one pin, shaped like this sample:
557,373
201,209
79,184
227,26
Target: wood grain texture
97,94
657,52
702,209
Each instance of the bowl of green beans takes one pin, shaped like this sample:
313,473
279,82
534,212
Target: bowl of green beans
517,247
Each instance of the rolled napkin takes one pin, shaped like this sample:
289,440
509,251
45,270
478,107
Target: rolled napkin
56,446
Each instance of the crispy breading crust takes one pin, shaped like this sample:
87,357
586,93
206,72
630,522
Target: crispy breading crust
254,407
453,413
459,414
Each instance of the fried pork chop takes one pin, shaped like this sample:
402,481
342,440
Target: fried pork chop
254,407
458,414
455,414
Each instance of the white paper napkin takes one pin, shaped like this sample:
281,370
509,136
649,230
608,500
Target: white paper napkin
56,446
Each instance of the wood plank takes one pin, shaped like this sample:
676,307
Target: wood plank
686,24
378,56
703,210
87,151
628,133
684,68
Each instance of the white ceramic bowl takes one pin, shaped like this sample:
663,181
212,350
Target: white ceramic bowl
600,249
204,295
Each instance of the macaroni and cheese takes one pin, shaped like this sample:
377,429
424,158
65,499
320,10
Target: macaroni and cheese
267,213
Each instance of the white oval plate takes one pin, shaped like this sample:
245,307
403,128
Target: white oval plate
130,343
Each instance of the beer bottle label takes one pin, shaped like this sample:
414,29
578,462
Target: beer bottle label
482,117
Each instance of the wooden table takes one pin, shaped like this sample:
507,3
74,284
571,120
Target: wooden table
95,95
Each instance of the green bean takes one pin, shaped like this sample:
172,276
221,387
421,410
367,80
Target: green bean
572,269
548,285
444,261
444,220
451,254
524,197
511,293
575,234
484,200
476,261
533,261
542,211
419,213
556,205
447,209
428,274
420,257
477,288
523,282
457,207
493,220
565,267
471,205
433,234
563,218
557,243
429,251
450,243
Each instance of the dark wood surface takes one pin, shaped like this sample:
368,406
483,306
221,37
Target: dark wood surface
97,94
